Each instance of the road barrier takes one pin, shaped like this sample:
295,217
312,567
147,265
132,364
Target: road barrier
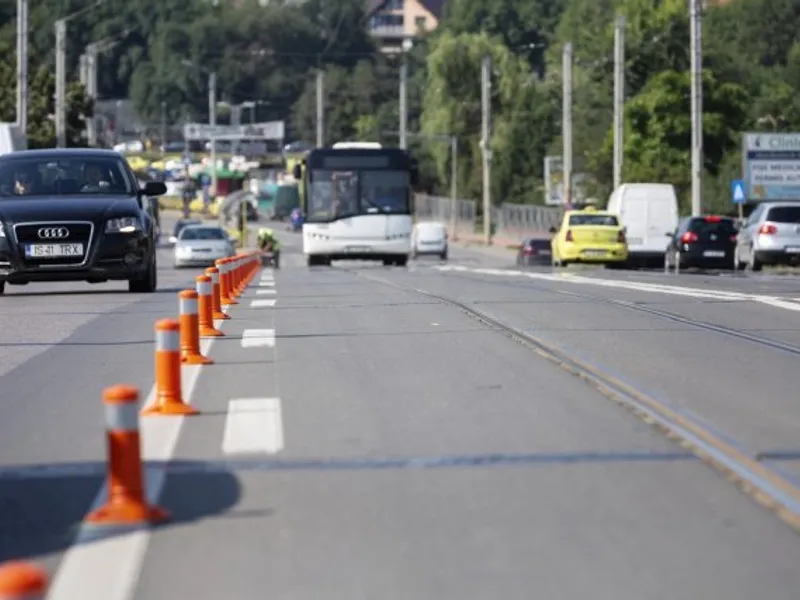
205,291
190,329
225,265
126,504
236,276
169,396
216,307
21,580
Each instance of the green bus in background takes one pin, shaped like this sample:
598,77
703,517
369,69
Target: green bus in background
287,198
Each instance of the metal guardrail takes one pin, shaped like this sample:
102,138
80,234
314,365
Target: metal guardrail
511,222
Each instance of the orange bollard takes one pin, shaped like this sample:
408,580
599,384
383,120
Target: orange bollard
216,307
224,266
190,329
21,580
126,504
169,397
207,329
240,284
234,285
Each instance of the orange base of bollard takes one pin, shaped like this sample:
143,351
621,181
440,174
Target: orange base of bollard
211,332
169,409
221,316
126,515
196,359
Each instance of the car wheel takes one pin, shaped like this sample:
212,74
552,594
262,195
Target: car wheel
147,282
401,262
755,264
2,287
444,255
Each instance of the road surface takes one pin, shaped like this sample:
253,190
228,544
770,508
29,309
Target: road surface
364,434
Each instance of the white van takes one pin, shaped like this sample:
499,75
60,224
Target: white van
648,211
429,238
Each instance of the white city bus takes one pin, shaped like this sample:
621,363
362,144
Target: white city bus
357,203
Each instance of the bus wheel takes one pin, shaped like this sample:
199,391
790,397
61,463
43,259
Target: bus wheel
402,261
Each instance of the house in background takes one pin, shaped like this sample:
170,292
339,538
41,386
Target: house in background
392,21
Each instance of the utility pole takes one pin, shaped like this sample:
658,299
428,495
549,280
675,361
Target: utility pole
91,90
454,186
619,98
236,119
486,115
212,120
697,104
163,128
22,66
566,124
61,83
403,101
320,108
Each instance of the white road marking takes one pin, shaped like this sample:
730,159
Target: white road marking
253,425
267,284
263,303
656,288
109,569
264,292
258,338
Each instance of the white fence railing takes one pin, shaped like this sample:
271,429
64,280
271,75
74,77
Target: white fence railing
512,222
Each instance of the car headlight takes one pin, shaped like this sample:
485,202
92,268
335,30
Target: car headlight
123,225
2,230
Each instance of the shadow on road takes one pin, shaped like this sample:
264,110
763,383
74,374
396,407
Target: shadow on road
42,506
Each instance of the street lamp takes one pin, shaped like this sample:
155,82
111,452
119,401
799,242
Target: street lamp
212,117
408,44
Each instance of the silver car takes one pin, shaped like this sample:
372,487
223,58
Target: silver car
201,245
770,236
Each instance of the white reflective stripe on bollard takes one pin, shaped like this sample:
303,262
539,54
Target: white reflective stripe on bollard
214,278
168,341
188,306
203,288
122,417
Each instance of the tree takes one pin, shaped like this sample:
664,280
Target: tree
41,107
658,129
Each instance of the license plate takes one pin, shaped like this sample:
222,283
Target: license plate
53,250
635,241
714,254
594,253
544,252
358,249
793,249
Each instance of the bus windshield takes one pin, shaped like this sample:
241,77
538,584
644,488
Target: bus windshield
343,193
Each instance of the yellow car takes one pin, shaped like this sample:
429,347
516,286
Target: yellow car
589,236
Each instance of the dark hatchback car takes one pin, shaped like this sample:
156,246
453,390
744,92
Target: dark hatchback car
534,251
702,242
75,215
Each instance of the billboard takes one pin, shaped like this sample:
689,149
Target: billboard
554,182
273,130
771,166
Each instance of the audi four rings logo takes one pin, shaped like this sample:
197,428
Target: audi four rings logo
53,233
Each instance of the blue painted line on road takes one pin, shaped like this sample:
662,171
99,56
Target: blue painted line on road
94,469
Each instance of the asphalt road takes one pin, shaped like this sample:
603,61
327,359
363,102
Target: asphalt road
360,439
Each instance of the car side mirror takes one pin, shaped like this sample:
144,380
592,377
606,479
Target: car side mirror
154,188
173,239
669,235
552,230
297,172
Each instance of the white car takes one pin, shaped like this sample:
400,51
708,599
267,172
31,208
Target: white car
201,246
429,239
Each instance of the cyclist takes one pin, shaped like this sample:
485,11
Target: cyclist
268,242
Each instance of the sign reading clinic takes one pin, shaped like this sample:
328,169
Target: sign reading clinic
771,166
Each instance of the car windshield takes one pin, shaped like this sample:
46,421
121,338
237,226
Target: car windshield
57,176
336,194
180,225
784,214
202,233
593,220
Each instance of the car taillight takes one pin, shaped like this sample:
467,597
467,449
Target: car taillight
569,236
712,219
768,229
689,237
529,251
734,237
621,237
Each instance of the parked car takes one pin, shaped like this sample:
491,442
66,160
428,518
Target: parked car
702,242
534,251
770,236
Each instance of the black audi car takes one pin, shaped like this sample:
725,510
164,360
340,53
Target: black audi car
75,215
